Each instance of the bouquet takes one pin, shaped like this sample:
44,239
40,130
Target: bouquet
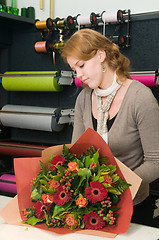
76,191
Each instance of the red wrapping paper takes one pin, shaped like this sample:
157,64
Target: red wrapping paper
27,168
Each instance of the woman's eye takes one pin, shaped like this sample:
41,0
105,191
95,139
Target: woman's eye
81,66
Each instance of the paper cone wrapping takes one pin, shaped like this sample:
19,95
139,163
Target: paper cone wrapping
27,168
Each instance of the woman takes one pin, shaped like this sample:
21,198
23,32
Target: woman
123,111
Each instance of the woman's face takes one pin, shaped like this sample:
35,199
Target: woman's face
89,72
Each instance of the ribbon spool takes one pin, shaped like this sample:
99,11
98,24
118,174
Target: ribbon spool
83,20
58,45
120,16
112,17
93,18
45,24
119,40
43,46
67,22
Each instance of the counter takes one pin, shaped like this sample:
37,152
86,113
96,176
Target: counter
12,232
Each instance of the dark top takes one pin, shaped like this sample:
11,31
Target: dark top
109,122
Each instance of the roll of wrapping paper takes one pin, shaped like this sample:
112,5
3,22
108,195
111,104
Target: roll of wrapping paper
77,82
30,117
8,183
31,83
31,12
148,80
21,149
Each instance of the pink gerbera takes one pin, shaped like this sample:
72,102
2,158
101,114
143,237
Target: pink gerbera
40,209
57,160
54,184
97,192
93,221
61,196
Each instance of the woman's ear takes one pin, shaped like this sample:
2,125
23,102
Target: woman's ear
102,55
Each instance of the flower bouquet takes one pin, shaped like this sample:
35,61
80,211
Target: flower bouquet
76,191
76,188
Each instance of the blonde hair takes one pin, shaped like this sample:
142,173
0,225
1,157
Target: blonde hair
84,44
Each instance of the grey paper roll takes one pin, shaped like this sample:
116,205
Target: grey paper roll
30,117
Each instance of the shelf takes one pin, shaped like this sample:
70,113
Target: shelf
15,20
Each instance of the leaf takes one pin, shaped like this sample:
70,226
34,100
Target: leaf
33,220
114,191
95,159
35,194
115,177
61,209
114,198
80,182
84,172
57,210
122,185
43,168
67,154
44,182
107,185
79,163
88,161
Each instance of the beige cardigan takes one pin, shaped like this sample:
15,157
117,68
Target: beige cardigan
134,135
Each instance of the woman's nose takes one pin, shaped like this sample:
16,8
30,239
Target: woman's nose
79,73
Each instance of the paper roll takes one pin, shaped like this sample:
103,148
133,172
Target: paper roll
148,80
30,117
21,149
8,183
78,82
31,83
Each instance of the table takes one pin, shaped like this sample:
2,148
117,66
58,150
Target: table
12,232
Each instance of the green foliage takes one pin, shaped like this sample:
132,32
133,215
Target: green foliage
33,220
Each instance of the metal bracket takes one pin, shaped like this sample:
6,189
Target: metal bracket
66,78
66,116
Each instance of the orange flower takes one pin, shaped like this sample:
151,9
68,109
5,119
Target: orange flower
73,166
47,198
107,179
81,201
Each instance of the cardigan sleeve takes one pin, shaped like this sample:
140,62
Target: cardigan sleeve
78,127
147,119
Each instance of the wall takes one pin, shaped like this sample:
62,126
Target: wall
63,8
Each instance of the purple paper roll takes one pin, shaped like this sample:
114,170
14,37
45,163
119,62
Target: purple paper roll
8,183
77,82
148,80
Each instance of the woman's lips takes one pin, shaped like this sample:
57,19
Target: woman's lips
84,81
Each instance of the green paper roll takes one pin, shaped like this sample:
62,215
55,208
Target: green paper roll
31,83
31,12
15,11
24,12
